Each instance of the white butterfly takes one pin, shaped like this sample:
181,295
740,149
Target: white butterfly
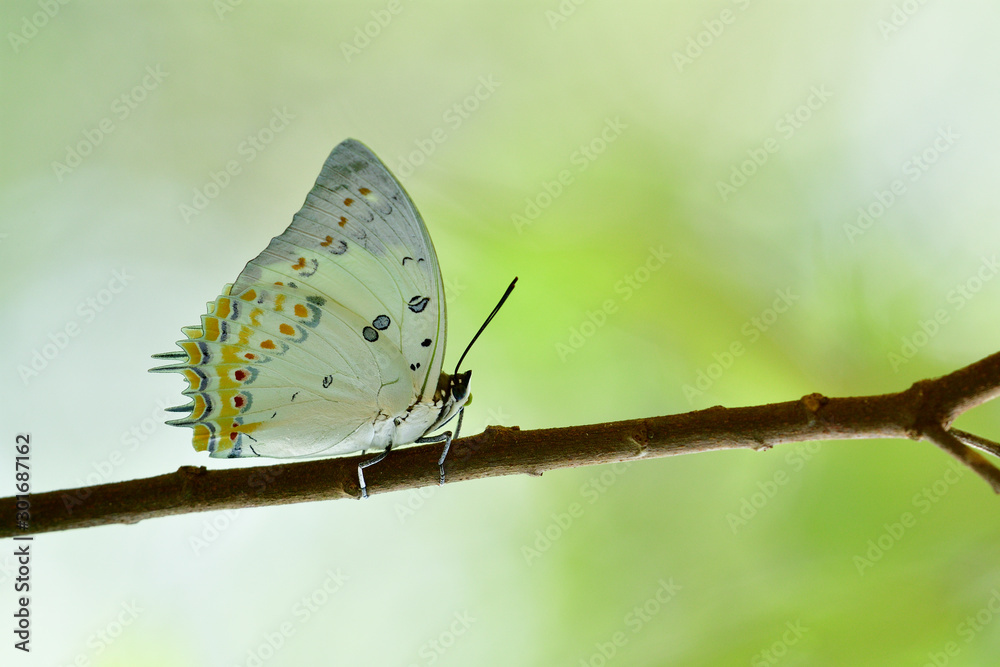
330,341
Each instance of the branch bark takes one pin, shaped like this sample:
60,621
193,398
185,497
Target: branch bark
924,411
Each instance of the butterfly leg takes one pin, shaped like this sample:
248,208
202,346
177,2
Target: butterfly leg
445,437
369,462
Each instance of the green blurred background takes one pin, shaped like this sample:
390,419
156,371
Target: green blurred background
572,144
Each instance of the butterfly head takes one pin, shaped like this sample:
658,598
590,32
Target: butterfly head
453,394
458,388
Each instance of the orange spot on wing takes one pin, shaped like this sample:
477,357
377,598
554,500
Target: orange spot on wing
343,221
301,264
249,295
222,308
364,191
268,344
328,241
301,311
286,329
348,201
279,303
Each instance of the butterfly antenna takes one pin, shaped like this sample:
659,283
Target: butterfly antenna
510,288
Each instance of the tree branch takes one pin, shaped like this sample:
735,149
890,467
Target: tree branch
925,410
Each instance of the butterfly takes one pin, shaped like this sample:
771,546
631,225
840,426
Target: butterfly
331,341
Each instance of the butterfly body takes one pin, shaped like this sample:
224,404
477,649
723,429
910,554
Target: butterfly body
331,340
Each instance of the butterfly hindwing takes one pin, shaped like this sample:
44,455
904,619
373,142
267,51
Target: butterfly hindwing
337,326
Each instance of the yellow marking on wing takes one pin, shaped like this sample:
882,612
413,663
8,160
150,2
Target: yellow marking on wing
193,379
200,407
200,438
211,328
226,407
244,336
193,352
230,354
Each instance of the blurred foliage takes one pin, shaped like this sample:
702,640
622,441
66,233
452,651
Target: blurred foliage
572,144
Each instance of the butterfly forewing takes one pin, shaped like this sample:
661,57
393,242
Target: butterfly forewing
358,214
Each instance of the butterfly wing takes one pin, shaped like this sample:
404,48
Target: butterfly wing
335,329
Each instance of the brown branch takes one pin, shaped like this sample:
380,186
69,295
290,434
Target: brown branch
925,410
982,444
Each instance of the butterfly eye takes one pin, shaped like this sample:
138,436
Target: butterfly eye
460,385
